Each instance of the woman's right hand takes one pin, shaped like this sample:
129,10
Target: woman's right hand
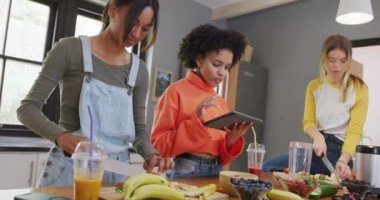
319,145
68,141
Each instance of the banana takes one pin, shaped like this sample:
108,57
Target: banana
156,191
209,190
275,194
194,191
138,180
188,187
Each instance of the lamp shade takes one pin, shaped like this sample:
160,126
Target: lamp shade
352,12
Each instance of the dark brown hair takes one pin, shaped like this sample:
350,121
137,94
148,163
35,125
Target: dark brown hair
135,9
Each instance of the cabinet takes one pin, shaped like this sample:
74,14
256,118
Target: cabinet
21,169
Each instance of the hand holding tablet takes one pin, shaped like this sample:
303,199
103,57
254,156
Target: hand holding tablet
229,119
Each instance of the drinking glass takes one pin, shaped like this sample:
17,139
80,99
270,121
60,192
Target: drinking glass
300,154
256,154
89,160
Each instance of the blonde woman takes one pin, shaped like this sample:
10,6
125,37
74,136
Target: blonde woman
335,108
335,111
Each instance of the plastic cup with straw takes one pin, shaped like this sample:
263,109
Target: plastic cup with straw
256,154
88,167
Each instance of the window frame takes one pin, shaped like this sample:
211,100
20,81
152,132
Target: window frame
62,19
20,130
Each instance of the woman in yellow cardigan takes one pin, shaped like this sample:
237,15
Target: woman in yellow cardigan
335,110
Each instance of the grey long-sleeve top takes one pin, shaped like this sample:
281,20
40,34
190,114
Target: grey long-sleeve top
64,66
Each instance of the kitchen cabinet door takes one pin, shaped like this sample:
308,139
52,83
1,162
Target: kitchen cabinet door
17,169
250,91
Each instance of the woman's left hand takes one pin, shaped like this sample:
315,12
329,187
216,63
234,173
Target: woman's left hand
343,170
162,164
236,132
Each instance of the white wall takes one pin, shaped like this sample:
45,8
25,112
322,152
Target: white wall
369,57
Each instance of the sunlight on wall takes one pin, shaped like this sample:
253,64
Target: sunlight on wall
369,57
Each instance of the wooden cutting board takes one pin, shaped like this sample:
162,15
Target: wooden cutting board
109,193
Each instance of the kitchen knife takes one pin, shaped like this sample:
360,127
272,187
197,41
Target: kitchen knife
330,167
122,167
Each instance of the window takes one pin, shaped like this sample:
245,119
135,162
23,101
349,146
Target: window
366,52
87,26
28,29
21,55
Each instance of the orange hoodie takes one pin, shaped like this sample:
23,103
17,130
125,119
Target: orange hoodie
177,128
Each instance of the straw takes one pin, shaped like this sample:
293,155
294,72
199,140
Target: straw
254,143
89,113
254,136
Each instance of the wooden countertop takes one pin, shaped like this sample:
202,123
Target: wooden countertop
67,191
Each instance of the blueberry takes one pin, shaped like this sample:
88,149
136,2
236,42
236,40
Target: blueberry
234,181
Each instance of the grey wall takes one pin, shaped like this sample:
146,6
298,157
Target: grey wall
287,40
177,18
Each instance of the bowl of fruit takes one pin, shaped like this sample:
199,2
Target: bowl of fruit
250,189
225,180
302,184
302,187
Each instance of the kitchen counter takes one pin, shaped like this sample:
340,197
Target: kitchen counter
68,190
24,144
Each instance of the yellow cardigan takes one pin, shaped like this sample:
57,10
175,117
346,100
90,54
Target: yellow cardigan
325,110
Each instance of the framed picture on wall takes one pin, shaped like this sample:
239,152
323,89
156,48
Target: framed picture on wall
162,78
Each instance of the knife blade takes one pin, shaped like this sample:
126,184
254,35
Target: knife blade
122,167
330,167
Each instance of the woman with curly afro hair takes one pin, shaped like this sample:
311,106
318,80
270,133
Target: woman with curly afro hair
178,130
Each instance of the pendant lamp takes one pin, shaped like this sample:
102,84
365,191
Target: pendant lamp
352,12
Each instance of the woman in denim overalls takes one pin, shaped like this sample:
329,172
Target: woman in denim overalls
97,73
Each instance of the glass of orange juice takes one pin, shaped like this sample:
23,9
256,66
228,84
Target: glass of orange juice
88,170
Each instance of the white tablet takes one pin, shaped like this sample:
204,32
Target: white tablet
229,119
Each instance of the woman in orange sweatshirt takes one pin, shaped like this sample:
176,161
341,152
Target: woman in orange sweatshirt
178,129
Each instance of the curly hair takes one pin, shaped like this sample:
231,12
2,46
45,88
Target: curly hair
208,38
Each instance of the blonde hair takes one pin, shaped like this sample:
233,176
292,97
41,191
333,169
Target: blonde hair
342,43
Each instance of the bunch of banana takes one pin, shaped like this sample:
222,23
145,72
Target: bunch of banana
194,192
144,186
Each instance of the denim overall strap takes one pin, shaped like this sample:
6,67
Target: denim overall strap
87,57
131,80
